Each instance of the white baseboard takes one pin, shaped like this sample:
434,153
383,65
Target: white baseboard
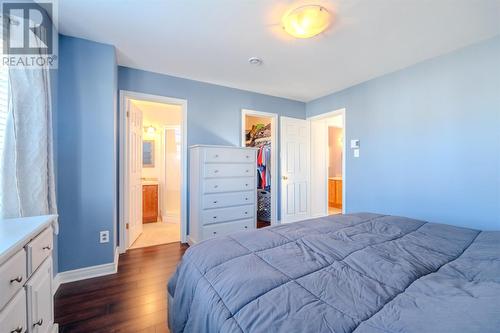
313,216
86,273
121,249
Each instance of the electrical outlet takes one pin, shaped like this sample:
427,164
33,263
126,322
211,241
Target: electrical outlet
104,236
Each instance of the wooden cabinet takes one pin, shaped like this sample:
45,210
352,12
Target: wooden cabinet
149,203
335,192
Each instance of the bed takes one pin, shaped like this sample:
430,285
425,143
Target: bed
343,273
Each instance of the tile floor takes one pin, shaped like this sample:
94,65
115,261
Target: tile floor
157,233
333,211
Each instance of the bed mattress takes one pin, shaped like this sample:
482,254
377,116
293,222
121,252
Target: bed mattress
343,273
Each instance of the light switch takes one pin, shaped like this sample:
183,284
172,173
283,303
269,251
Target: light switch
355,143
356,152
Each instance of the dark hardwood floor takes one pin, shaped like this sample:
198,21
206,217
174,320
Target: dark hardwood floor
262,224
133,300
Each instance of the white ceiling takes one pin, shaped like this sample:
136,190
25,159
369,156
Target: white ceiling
159,114
212,40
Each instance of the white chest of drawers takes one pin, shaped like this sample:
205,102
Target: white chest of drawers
26,301
222,191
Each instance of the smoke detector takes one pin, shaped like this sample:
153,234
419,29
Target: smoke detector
255,61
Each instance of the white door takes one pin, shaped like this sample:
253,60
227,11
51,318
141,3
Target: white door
135,173
295,166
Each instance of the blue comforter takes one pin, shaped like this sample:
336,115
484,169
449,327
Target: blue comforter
346,273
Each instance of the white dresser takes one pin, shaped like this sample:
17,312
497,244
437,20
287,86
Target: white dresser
222,191
26,298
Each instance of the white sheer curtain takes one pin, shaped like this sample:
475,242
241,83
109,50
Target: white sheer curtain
27,186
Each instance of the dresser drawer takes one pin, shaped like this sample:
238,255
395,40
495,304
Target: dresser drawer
228,155
12,276
211,231
227,214
13,316
229,170
228,199
228,184
39,249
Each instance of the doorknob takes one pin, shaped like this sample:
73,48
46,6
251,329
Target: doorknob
285,177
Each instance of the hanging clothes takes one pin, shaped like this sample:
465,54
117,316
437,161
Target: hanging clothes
263,167
268,168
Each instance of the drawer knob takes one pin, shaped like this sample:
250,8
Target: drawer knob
215,201
215,217
248,156
216,155
19,329
247,171
17,279
246,227
39,322
46,248
246,199
216,171
246,213
215,186
246,184
215,232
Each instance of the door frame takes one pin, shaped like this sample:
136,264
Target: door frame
337,112
123,183
274,155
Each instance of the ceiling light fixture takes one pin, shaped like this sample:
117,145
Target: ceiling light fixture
151,130
307,21
255,61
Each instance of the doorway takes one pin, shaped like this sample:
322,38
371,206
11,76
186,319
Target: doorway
328,176
259,132
152,168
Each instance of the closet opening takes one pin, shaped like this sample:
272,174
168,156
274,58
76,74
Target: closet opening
259,132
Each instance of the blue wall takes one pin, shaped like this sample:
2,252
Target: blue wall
86,152
430,139
214,112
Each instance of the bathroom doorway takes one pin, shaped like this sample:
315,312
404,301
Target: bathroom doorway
328,171
335,157
153,195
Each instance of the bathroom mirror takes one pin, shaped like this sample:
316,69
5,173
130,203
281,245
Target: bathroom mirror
148,154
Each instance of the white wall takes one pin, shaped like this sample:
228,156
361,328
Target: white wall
173,175
255,120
